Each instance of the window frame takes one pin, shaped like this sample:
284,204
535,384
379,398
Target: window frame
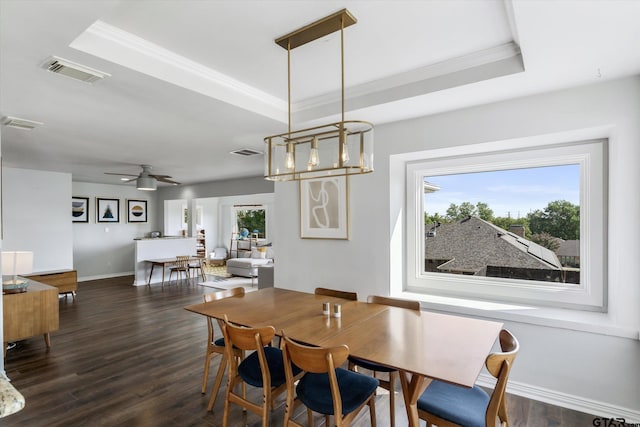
590,295
234,217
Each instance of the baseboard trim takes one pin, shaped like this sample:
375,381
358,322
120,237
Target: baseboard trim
105,276
576,403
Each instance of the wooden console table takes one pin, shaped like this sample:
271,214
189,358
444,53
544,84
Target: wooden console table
31,313
65,280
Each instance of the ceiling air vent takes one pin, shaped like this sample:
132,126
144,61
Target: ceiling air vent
24,124
247,152
73,70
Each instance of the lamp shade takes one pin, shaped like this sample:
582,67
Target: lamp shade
146,183
17,262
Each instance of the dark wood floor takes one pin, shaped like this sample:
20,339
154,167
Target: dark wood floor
132,356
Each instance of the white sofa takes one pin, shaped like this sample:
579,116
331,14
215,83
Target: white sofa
248,267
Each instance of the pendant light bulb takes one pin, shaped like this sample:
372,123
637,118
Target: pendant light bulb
289,160
314,157
345,149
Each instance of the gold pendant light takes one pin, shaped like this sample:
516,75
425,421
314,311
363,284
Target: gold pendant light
335,149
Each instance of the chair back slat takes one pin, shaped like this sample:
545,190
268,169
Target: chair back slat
510,346
353,296
314,359
245,338
395,302
182,261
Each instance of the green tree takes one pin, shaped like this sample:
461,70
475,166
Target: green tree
484,211
559,219
252,220
432,219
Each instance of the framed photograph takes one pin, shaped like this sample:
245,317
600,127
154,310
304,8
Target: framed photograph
107,210
80,209
136,211
324,208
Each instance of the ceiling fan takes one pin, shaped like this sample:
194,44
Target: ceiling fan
146,180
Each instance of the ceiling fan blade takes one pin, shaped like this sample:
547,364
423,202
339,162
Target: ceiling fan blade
162,178
159,176
119,174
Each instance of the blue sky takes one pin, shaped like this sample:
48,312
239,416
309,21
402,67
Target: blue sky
515,191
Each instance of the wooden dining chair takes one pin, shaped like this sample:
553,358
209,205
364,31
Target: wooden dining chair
180,267
197,265
388,384
447,405
262,368
353,296
216,346
324,387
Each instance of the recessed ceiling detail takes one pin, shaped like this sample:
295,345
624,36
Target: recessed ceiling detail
22,124
71,69
116,45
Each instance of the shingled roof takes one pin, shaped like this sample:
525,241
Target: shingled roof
472,244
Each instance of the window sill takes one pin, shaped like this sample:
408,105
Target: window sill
597,323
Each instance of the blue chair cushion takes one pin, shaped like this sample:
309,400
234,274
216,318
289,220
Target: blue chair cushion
249,368
464,406
370,365
314,391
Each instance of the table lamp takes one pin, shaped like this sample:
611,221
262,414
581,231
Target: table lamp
13,264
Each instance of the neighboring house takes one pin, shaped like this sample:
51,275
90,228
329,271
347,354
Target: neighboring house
569,253
476,247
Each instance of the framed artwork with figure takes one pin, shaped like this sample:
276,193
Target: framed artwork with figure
324,208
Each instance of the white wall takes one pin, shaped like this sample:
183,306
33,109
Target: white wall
593,372
37,217
98,253
173,217
210,220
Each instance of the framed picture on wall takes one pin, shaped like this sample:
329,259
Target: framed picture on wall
324,208
80,209
136,211
107,210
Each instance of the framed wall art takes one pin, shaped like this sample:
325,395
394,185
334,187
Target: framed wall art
107,210
80,209
324,208
136,211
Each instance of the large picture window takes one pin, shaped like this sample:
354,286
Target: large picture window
524,226
250,221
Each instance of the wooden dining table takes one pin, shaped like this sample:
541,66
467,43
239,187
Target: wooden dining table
422,345
164,262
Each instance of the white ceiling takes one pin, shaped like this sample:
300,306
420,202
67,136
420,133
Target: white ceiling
193,80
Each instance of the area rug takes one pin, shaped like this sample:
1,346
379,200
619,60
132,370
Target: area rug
217,270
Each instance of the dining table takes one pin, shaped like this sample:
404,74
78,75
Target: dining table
164,262
422,345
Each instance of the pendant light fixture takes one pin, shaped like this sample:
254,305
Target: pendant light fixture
335,149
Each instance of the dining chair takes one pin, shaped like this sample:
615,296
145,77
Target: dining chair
180,267
353,296
263,368
392,373
216,346
197,265
446,405
324,387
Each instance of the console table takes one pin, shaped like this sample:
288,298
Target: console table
65,280
31,313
